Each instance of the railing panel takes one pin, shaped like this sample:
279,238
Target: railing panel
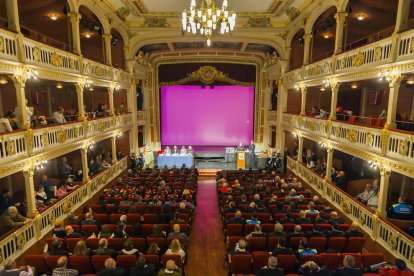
13,145
95,69
406,46
400,146
317,126
319,69
291,120
8,46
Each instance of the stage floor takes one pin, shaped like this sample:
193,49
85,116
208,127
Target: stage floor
205,151
214,164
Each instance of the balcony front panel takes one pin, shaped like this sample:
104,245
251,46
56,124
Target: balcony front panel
96,69
8,46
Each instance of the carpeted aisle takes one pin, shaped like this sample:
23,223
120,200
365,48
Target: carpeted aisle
207,250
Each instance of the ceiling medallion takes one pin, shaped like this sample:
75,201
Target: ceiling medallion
207,19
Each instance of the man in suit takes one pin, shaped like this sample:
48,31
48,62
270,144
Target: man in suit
251,208
104,250
336,219
70,233
175,150
111,269
302,218
271,268
88,219
349,268
177,234
297,232
252,148
353,231
167,150
237,219
335,231
240,147
282,248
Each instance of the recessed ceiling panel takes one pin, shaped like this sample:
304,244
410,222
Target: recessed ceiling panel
214,44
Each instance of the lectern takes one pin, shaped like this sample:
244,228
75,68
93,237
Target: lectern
241,160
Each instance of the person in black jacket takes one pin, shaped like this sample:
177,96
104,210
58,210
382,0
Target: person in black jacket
353,232
282,248
56,249
317,232
104,250
142,269
70,233
349,268
238,219
302,218
271,268
111,269
335,231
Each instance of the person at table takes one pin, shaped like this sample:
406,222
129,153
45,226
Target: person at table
175,150
240,147
167,150
190,150
183,150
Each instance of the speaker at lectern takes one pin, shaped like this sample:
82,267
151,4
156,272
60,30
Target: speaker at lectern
241,160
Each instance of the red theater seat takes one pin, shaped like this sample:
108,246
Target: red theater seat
337,243
318,243
37,261
175,257
272,243
82,264
241,263
331,261
71,243
369,259
355,244
159,241
92,243
256,244
234,230
314,258
52,261
88,230
140,244
259,260
287,263
116,243
150,218
154,260
98,262
126,261
133,218
294,242
101,218
114,218
232,242
248,228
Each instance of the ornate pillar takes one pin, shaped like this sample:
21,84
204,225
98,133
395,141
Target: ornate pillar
307,48
107,44
111,100
13,16
113,142
85,168
329,159
394,84
30,191
74,18
287,51
19,82
300,148
334,99
281,108
304,91
81,106
383,192
363,101
403,12
132,107
339,37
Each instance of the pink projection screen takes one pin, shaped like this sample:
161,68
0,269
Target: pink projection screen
191,115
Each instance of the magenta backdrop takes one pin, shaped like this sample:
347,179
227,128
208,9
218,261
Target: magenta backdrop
221,116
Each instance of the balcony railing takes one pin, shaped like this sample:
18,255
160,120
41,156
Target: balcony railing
21,144
23,238
380,229
389,143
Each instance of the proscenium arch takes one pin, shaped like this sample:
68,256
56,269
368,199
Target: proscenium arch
315,15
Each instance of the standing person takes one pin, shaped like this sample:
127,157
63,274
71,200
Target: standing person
240,147
252,148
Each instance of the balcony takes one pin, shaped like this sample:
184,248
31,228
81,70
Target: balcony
21,144
21,239
395,144
380,229
48,57
375,54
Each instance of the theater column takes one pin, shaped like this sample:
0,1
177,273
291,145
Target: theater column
85,168
307,48
13,23
74,18
81,106
107,45
394,84
304,91
111,100
329,159
383,192
113,142
281,108
19,82
403,13
30,191
132,107
340,29
334,99
300,148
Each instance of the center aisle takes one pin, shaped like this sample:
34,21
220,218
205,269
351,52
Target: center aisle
207,251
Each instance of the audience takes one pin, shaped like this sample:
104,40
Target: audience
11,219
141,268
111,269
271,268
10,268
349,268
171,269
62,270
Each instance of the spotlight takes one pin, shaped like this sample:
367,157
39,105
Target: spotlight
410,81
114,41
294,134
90,89
323,89
361,17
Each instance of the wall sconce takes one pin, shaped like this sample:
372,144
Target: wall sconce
40,164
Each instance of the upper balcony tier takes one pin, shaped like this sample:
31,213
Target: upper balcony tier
46,57
397,48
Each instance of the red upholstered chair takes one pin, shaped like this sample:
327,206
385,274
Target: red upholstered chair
70,243
88,230
287,263
228,216
49,242
175,257
116,243
159,241
314,258
185,217
92,243
126,261
140,244
37,261
294,242
123,208
140,208
312,216
52,261
268,228
76,228
337,243
369,259
355,244
318,243
98,262
232,242
82,264
259,260
256,244
272,243
241,263
331,261
184,228
133,218
101,218
264,217
150,218
279,216
325,227
288,227
306,227
114,218
248,228
147,229
343,227
154,260
234,230
357,256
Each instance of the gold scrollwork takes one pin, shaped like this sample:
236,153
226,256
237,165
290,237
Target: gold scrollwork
101,126
88,68
36,54
76,132
392,241
10,147
56,60
309,178
21,241
369,139
51,216
312,126
316,70
289,120
377,53
29,136
346,206
98,71
361,217
337,131
67,206
71,63
352,136
342,63
327,67
61,136
2,47
358,59
403,148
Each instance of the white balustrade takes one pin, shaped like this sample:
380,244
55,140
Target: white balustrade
400,146
406,46
319,69
316,126
291,120
96,69
13,145
20,240
8,45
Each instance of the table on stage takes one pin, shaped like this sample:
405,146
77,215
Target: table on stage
175,159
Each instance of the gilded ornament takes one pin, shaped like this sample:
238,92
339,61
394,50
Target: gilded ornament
71,63
361,218
352,136
316,70
36,54
346,206
327,67
309,178
51,216
56,60
61,136
67,206
358,59
76,132
29,137
10,147
88,68
342,63
98,71
403,148
392,241
377,53
337,132
2,47
369,139
412,46
104,179
289,120
312,126
21,241
101,126
85,126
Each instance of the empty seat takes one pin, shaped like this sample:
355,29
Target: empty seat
336,243
101,218
92,243
306,227
37,261
318,243
241,263
355,244
154,260
288,227
123,208
88,230
234,229
71,243
126,261
116,243
133,218
268,228
114,218
263,217
287,263
98,262
248,228
185,217
369,259
150,218
82,264
256,244
260,259
140,244
331,261
272,243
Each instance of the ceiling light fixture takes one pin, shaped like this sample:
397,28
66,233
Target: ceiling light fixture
361,17
409,81
354,86
326,36
323,89
3,81
91,89
87,35
206,19
59,86
53,17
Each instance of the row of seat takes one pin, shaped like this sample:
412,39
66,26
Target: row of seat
248,263
117,243
91,265
267,217
131,218
337,244
138,208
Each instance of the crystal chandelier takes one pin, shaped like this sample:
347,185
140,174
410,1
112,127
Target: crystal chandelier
207,19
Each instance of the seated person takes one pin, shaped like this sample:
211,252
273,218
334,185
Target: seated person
304,249
251,208
10,219
177,234
399,269
282,248
353,231
240,248
335,231
271,268
302,218
336,219
237,219
373,201
56,249
312,269
88,219
190,150
297,232
70,233
253,219
366,194
317,232
183,150
278,232
257,232
171,269
175,150
175,248
348,268
141,268
41,196
104,250
402,210
167,150
311,208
